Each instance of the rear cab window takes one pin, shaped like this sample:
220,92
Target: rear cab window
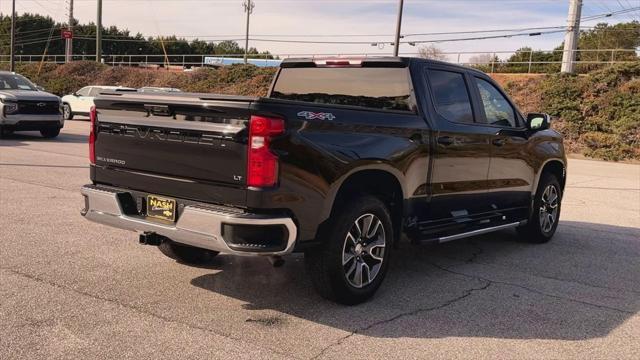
381,88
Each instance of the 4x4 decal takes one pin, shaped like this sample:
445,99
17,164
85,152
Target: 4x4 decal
309,115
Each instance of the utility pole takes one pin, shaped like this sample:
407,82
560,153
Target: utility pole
396,49
12,61
248,8
69,41
572,36
99,33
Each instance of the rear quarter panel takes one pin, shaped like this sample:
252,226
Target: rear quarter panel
317,156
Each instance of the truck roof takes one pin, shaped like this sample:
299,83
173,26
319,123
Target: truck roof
374,61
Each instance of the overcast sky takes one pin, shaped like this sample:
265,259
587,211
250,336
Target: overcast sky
225,19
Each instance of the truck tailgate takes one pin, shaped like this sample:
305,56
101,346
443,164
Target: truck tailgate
163,142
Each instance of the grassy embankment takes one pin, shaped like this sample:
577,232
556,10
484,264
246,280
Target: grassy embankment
598,113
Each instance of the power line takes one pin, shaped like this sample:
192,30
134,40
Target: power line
624,8
33,31
341,42
222,37
587,18
259,39
610,14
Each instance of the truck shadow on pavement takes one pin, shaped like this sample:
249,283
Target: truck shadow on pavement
581,285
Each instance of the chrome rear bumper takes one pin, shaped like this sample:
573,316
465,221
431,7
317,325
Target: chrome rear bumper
197,226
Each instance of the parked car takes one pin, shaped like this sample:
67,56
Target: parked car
25,106
340,160
81,101
153,89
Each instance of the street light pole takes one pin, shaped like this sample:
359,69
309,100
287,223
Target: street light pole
12,61
248,7
398,27
99,33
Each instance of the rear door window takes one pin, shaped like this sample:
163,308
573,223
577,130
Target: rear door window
376,88
451,96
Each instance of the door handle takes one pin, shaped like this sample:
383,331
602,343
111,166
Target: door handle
445,140
498,142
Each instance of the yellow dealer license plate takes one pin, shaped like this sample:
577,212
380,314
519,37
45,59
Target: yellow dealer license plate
161,208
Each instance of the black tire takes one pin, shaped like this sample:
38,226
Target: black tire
186,254
325,266
50,133
67,113
536,230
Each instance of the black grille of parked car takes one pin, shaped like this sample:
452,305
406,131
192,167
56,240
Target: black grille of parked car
38,107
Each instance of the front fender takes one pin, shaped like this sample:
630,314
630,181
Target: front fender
547,148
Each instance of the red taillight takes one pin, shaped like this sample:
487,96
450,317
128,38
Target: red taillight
262,164
92,135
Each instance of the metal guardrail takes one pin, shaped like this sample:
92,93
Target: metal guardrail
494,61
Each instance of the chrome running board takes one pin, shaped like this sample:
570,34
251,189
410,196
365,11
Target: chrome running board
479,231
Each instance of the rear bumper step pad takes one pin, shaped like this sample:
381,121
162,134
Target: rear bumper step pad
197,226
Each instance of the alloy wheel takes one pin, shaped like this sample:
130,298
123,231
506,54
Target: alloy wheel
548,212
363,251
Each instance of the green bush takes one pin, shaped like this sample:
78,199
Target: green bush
600,110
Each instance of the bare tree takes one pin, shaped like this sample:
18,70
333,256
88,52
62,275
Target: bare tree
432,52
482,59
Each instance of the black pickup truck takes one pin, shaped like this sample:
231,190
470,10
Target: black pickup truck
339,161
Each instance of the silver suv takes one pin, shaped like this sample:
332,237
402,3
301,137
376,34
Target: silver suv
24,107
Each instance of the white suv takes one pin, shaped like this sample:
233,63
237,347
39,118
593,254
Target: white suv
80,102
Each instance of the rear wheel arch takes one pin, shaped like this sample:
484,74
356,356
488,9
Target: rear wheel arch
379,183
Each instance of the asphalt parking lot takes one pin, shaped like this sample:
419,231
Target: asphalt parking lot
74,289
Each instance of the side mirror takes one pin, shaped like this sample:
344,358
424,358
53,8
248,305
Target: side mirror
40,88
538,121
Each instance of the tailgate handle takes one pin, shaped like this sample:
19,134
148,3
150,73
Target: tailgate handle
158,110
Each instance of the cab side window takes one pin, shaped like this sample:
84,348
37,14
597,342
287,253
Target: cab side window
451,96
497,108
84,91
